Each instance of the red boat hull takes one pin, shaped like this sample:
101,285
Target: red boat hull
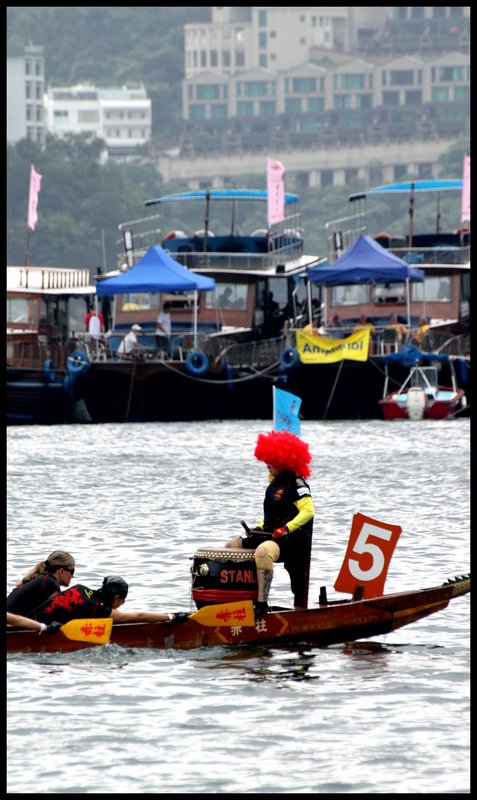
335,622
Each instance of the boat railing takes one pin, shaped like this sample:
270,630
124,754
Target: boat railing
258,353
440,254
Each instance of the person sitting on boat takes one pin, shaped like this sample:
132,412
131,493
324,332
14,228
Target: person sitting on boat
400,330
363,323
130,346
285,532
43,582
419,334
79,602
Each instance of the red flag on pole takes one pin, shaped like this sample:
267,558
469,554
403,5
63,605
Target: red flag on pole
276,191
465,211
35,185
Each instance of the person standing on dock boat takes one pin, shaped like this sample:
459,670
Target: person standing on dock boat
79,602
94,324
285,532
43,582
164,328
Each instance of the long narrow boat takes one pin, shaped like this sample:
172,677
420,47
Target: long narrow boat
329,623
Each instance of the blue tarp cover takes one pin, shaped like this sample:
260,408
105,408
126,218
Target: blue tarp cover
407,187
409,355
220,194
156,271
363,262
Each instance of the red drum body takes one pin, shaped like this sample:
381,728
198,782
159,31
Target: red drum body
223,576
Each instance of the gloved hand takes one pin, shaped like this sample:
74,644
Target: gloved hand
53,627
180,616
279,532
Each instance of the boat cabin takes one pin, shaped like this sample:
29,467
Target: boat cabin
45,307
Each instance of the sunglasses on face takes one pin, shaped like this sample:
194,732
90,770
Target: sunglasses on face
71,570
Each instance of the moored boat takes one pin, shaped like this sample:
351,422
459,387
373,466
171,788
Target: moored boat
422,397
329,623
46,306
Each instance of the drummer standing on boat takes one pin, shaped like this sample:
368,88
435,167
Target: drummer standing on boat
285,532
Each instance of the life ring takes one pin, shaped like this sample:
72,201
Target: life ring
289,358
77,363
197,363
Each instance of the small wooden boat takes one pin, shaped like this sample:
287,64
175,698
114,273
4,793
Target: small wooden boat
329,623
422,397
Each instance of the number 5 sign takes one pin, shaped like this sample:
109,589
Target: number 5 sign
370,548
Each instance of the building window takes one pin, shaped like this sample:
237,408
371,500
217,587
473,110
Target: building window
256,89
293,105
197,112
244,109
316,104
262,40
218,111
262,18
209,91
413,98
263,60
267,108
440,94
226,58
239,58
390,98
304,85
401,77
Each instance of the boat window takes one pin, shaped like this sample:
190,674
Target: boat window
229,295
350,295
390,292
77,310
17,309
435,287
140,302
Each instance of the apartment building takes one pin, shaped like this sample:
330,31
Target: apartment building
119,116
25,88
312,76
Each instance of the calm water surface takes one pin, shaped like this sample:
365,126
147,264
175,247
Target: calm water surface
388,715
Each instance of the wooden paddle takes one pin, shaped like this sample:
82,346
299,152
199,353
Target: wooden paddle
94,631
226,615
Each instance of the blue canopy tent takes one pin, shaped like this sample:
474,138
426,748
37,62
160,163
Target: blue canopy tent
157,271
365,261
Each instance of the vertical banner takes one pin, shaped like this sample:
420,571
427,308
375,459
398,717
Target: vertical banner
275,191
35,185
465,211
370,548
285,411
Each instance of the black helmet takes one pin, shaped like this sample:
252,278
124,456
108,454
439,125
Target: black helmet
114,585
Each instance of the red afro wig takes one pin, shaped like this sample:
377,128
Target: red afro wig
284,451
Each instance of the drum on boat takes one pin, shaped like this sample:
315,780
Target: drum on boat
223,576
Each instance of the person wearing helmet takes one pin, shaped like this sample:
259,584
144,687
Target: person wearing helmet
79,602
285,532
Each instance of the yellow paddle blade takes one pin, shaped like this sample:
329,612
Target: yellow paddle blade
226,615
95,631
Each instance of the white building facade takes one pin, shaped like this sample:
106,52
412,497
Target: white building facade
119,116
25,88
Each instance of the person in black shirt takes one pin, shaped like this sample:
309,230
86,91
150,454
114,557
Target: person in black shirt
46,579
80,602
285,532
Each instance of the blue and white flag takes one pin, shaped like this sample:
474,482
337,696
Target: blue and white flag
285,411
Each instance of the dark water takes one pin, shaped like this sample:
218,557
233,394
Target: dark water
388,715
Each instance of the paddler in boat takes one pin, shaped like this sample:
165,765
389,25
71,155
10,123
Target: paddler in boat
45,580
17,621
79,602
285,532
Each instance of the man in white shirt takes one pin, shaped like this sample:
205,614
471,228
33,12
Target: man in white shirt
163,324
130,343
